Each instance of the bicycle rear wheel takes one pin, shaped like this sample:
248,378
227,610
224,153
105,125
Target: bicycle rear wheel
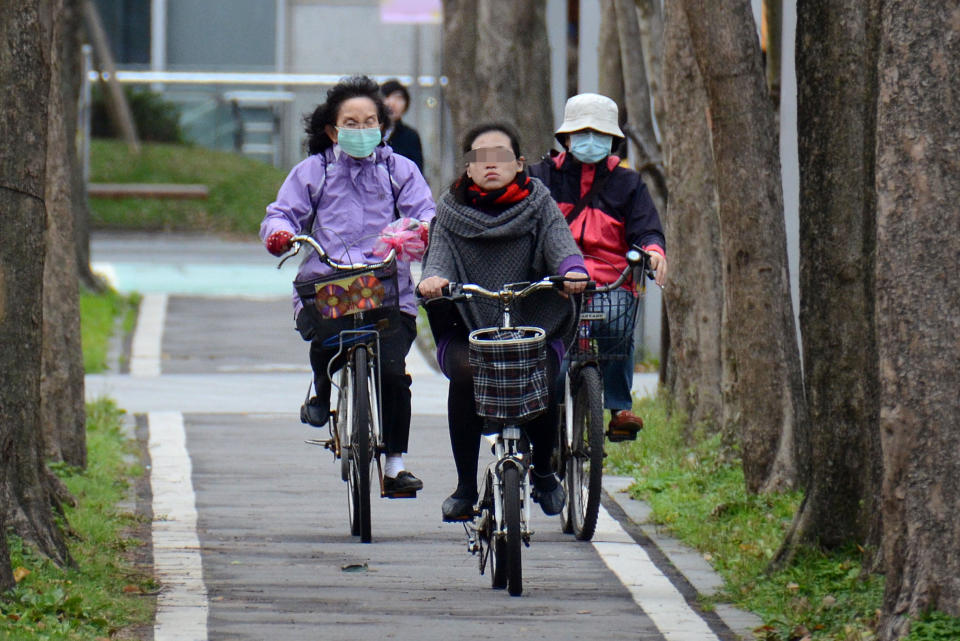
495,544
584,473
511,520
361,448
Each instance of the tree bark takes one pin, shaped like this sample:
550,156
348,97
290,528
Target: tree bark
694,295
26,492
610,80
62,408
652,34
918,308
639,126
837,97
773,42
763,390
497,68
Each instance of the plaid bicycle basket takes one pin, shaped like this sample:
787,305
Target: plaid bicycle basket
509,373
605,328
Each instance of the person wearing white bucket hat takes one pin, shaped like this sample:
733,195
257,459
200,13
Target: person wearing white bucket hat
609,210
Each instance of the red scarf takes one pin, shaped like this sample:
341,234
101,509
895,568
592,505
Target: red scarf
501,198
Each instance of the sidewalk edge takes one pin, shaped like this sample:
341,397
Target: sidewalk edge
685,559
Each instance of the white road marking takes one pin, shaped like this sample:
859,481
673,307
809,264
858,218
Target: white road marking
182,603
145,350
650,588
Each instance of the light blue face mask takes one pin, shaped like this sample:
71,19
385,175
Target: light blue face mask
590,146
358,143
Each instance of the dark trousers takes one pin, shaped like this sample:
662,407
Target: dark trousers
395,342
466,428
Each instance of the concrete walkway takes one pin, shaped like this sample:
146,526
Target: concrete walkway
249,537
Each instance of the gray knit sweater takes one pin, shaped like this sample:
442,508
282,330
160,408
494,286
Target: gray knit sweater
523,243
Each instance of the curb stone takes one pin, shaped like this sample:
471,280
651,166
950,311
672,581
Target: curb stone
685,559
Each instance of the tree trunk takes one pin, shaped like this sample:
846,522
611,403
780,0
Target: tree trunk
763,390
694,295
498,68
652,34
639,127
610,80
62,408
773,43
837,97
26,493
918,308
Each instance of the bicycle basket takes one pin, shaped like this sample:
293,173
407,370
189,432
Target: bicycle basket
349,299
605,330
509,373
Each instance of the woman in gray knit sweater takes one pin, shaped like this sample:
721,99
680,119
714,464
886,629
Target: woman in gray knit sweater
496,225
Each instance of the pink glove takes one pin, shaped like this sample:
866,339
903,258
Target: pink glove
278,243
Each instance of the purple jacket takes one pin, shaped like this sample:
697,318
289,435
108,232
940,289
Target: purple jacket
353,204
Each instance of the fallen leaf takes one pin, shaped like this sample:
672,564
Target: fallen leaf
708,557
20,573
129,589
583,611
355,567
793,587
13,617
829,601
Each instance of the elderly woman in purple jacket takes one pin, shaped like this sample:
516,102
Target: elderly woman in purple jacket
347,190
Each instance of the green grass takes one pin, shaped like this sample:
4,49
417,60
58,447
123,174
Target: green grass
98,313
697,491
104,593
240,188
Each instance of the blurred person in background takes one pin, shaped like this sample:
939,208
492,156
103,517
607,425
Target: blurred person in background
403,138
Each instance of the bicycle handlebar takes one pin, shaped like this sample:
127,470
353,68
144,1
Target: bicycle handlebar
298,240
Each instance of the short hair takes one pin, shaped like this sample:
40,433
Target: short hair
392,85
485,127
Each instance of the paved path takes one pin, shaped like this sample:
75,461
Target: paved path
250,532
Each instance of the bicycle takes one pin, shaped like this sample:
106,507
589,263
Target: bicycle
602,320
510,387
348,301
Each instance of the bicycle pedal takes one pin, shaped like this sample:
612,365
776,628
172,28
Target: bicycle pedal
618,436
326,444
398,495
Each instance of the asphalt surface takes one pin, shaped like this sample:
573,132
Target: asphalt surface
278,560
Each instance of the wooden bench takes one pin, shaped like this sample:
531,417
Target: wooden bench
147,190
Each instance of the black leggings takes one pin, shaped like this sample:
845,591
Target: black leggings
466,427
395,342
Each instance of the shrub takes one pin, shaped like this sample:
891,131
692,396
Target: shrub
156,119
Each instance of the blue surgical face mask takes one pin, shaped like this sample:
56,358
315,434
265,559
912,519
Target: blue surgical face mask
358,143
590,146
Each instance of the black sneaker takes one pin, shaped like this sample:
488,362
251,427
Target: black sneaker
315,412
457,508
402,483
549,493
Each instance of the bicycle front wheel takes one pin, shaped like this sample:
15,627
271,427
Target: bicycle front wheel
584,473
361,447
511,521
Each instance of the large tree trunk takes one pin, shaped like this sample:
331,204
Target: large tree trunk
498,68
763,390
694,295
837,97
918,308
26,491
62,409
773,42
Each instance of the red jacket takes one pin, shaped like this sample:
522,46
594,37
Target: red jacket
619,216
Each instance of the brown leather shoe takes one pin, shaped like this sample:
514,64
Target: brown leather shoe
624,426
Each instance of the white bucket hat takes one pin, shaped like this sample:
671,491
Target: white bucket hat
590,111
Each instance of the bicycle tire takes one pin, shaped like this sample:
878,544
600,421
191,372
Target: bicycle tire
564,448
342,421
496,545
584,474
361,449
511,520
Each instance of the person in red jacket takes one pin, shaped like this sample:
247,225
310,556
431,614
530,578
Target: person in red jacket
609,210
